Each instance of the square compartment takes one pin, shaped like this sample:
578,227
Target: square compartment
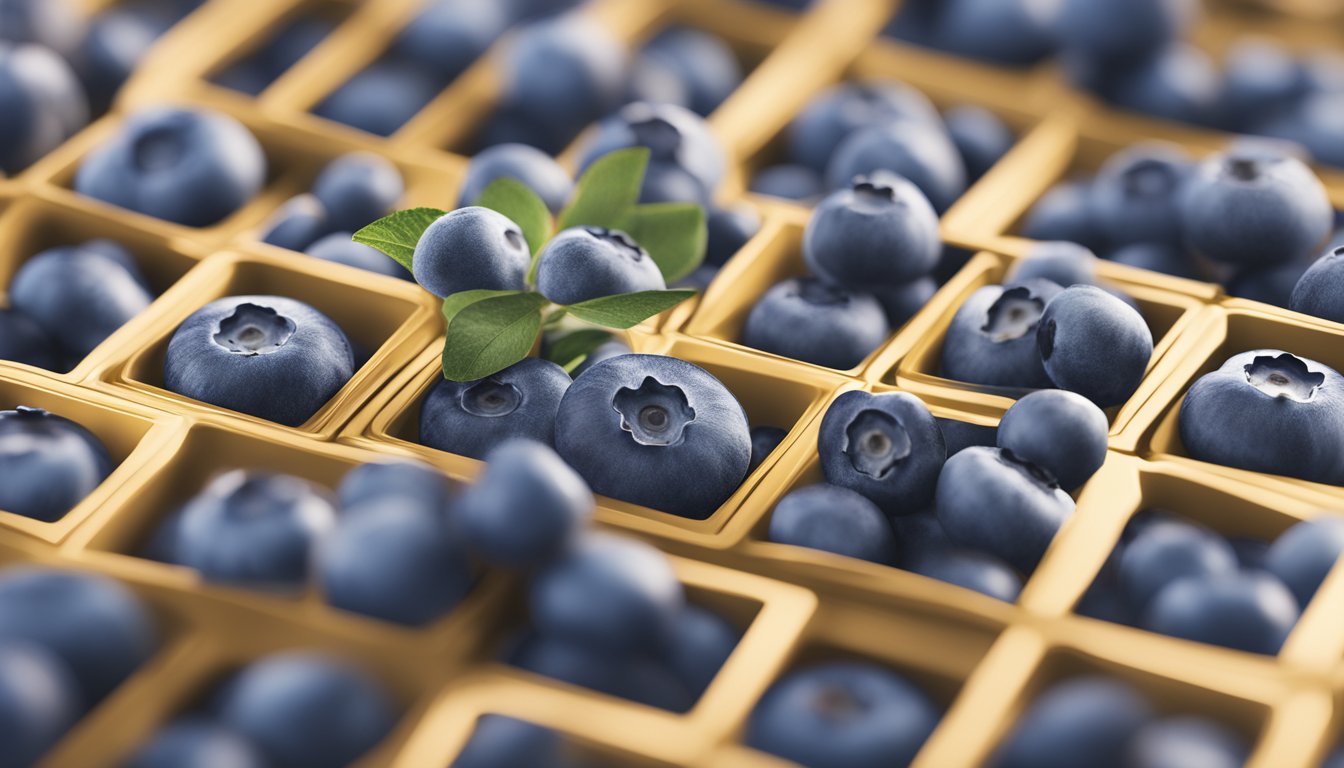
302,20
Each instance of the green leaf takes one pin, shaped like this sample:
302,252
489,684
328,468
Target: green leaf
517,201
627,310
608,189
570,350
396,235
674,234
488,333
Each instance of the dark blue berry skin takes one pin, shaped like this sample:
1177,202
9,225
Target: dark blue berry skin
703,63
729,230
412,481
1064,213
297,224
1251,552
188,167
1083,721
583,263
879,232
339,248
23,341
980,136
449,35
1011,33
54,25
504,742
976,571
357,189
39,701
1251,207
640,678
989,502
470,418
1062,263
1122,28
992,337
268,356
764,441
677,139
97,627
525,506
920,152
253,74
1272,285
1174,742
920,536
1242,610
381,98
1309,123
1135,197
1059,431
520,162
700,643
1303,555
196,742
834,519
471,249
789,182
607,593
887,447
1261,79
1335,759
904,302
307,710
636,426
809,320
1163,552
48,464
1094,344
1157,257
1178,82
1268,411
844,109
1320,291
79,295
254,529
564,73
960,435
843,714
42,101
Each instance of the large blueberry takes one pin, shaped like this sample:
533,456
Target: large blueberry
414,481
1136,194
980,136
267,356
55,24
1183,742
887,447
1244,610
677,139
1059,431
835,114
48,464
1268,411
880,232
42,102
1261,79
655,431
380,98
357,189
117,40
991,502
525,506
703,63
843,715
196,742
504,742
1320,291
834,519
1061,262
471,249
471,417
1084,721
992,337
520,162
1010,32
1094,344
1304,555
448,35
809,320
697,648
39,700
977,571
192,167
23,341
1162,552
920,152
307,710
563,73
583,263
339,248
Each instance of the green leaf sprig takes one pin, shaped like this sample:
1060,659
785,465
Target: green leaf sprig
489,331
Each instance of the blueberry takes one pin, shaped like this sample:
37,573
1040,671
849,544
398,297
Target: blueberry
196,742
42,101
809,320
656,82
789,182
192,167
1272,285
904,302
1135,197
449,35
380,98
339,248
471,249
679,142
291,43
1010,32
843,714
887,447
1304,554
357,189
297,224
729,230
1164,552
976,571
529,165
1177,82
1123,28
1251,552
98,628
1094,344
1059,431
117,39
1246,611
636,426
700,643
989,501
307,710
525,506
1084,721
960,435
641,678
1260,79
992,337
1318,292
52,23
504,742
563,73
1062,263
48,464
1174,742
920,536
1268,411
921,152
980,136
254,529
607,593
880,232
38,702
703,63
833,519
23,341
395,560
1158,257
583,263
267,356
413,481
764,441
844,109
1064,213
470,418
1309,123
1255,208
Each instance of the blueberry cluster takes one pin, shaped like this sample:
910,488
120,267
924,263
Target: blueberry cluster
48,464
935,498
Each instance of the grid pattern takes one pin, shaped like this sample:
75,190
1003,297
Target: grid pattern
981,659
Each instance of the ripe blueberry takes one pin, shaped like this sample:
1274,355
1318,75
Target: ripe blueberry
1243,610
887,447
834,519
357,189
39,701
1083,721
471,249
48,464
1094,344
583,263
992,337
807,319
469,418
1059,431
534,168
196,742
880,232
1303,555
